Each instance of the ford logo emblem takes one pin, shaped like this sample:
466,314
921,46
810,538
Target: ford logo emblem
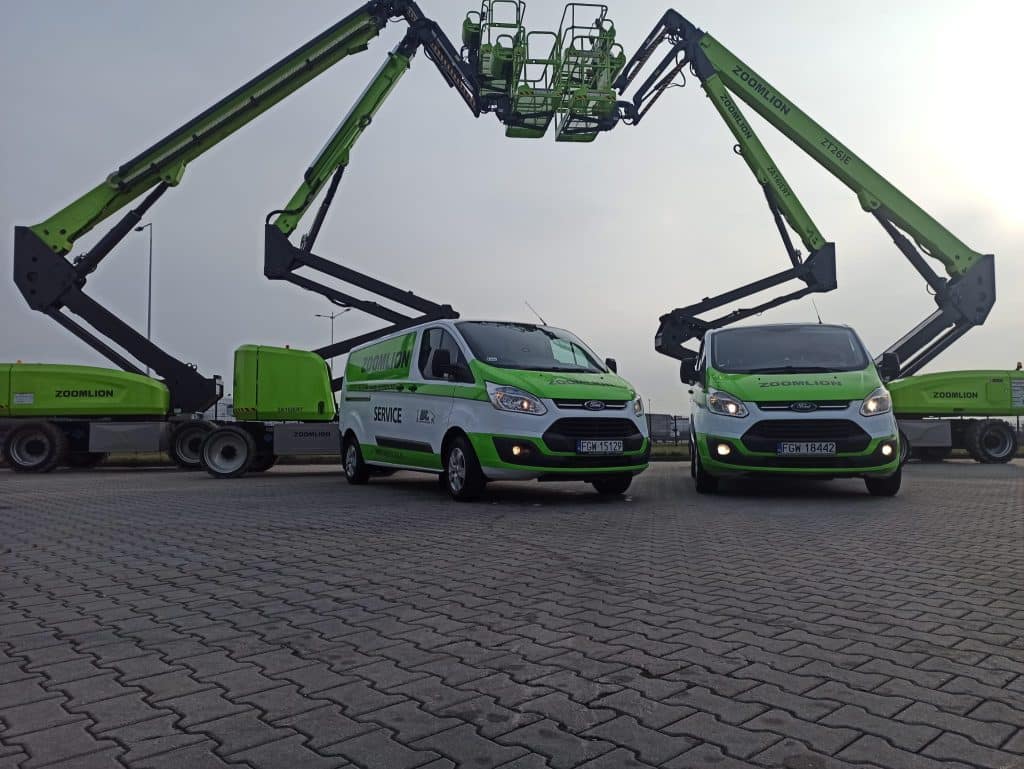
594,405
804,406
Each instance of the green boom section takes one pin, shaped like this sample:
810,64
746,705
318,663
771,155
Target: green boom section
59,390
873,191
278,383
959,393
335,154
166,160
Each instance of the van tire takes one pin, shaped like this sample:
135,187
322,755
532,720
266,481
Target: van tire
356,471
612,485
703,481
463,477
885,487
35,447
186,444
991,442
228,452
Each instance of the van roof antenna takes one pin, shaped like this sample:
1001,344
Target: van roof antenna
543,322
815,306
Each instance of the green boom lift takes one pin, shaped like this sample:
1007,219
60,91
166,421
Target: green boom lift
56,414
932,408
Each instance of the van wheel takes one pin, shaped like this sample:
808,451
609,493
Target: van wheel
703,481
35,447
187,443
612,484
356,471
991,442
85,460
228,452
885,487
693,458
462,475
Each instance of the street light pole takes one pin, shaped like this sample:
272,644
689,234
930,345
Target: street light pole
331,317
149,299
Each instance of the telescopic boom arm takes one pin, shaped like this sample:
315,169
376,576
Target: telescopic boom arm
964,298
52,284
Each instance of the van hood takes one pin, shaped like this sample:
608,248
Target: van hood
761,388
559,384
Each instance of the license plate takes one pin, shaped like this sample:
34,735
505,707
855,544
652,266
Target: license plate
806,449
598,447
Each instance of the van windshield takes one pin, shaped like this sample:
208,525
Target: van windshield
787,350
528,348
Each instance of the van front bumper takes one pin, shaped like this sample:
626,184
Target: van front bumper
741,461
509,457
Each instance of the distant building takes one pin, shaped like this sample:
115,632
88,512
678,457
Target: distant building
668,428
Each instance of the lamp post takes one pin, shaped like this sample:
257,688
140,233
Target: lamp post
331,317
149,299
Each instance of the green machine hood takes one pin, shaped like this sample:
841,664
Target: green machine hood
837,386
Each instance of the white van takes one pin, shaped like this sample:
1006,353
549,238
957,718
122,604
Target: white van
476,401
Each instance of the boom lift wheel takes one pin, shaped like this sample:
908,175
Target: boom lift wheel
186,444
612,484
228,452
85,460
35,447
905,448
991,442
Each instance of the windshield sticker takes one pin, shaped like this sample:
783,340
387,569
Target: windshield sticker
804,383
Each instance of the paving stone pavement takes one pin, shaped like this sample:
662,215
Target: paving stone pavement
157,619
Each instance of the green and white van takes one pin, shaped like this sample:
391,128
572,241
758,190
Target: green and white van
795,399
478,401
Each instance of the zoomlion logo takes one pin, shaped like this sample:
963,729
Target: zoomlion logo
386,361
962,396
83,393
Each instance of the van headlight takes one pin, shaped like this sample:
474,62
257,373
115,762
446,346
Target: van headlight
638,407
506,398
720,402
879,402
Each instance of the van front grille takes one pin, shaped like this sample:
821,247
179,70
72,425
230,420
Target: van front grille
768,433
563,434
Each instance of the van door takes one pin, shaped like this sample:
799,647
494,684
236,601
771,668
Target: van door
439,356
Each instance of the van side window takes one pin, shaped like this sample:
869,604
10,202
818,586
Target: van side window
434,340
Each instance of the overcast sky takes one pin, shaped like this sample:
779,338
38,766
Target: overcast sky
600,238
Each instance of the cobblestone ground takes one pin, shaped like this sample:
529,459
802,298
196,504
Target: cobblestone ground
155,619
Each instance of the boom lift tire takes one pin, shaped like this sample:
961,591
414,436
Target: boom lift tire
356,471
885,487
463,477
262,463
905,448
35,447
186,444
228,452
991,442
612,485
85,460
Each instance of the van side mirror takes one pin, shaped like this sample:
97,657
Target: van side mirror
612,365
889,366
688,371
441,364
